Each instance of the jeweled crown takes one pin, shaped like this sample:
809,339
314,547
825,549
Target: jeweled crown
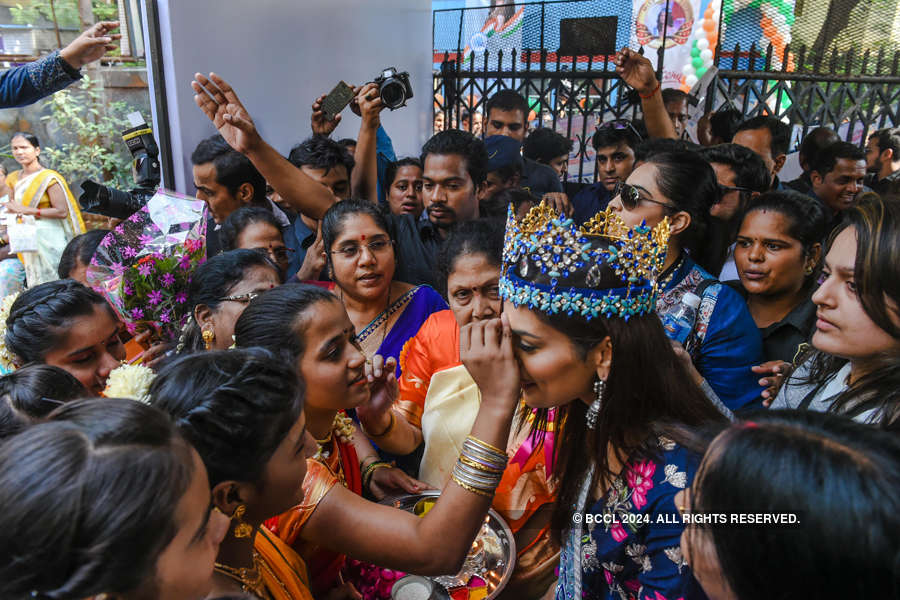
616,266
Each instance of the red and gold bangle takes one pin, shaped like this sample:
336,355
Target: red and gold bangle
650,95
38,213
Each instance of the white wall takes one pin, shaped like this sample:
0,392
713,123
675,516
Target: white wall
281,54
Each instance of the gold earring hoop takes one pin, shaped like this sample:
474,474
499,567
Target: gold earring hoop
208,337
241,529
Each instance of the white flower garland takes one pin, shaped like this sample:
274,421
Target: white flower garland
7,360
130,381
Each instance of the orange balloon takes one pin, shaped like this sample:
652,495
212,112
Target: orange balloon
713,39
708,25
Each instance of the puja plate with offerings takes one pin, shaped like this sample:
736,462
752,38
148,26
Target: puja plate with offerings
487,567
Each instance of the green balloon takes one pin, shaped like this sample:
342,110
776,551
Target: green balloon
695,51
697,62
700,72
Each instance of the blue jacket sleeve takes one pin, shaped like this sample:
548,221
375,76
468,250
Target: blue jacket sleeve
29,83
384,153
731,347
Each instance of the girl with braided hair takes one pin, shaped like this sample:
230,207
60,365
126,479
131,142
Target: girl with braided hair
65,324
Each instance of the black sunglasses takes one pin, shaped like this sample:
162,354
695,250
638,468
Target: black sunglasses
631,197
620,124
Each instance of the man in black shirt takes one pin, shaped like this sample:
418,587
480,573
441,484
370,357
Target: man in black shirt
455,168
883,160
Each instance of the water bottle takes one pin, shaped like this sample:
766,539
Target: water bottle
679,323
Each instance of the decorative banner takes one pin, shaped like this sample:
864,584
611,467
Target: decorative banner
653,23
775,21
491,30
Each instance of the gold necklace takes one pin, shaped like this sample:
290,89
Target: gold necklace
251,579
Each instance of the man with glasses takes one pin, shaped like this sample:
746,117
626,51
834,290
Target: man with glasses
614,143
741,174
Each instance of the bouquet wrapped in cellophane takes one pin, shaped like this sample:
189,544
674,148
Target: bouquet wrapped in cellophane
144,266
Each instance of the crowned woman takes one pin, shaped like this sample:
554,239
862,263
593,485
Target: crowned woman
580,305
43,194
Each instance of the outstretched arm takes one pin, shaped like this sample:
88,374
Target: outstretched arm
220,104
636,71
27,84
364,180
438,542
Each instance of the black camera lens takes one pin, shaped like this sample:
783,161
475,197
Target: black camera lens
393,94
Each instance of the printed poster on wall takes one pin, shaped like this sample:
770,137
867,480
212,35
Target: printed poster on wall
687,28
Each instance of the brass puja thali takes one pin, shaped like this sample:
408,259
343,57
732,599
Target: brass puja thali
485,571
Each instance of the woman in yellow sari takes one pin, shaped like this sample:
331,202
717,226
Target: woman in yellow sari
43,194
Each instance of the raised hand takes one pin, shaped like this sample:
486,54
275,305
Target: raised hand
370,105
220,104
486,350
318,122
636,70
91,45
384,389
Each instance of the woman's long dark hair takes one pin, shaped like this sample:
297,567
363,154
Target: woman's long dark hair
89,500
276,319
234,406
648,393
876,222
40,315
212,281
690,183
840,478
31,393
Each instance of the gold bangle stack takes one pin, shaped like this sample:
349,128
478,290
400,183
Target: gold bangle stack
370,469
480,467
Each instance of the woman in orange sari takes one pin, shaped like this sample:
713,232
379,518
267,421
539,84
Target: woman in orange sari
439,399
311,328
242,410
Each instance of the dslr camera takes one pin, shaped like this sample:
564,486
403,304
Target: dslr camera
110,202
394,88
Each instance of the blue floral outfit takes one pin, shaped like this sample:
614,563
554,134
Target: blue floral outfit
634,552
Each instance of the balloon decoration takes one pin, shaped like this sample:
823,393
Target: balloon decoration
703,44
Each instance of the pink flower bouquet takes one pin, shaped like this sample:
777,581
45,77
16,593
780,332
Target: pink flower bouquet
144,266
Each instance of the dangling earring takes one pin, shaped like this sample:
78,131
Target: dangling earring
241,529
208,337
809,270
594,409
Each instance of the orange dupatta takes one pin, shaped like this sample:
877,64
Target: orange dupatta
283,571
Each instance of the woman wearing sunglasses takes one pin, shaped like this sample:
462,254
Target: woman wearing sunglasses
220,290
724,343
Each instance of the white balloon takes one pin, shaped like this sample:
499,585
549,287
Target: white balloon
779,19
706,55
688,70
691,80
702,44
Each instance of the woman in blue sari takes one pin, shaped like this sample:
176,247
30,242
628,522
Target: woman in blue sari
360,258
361,261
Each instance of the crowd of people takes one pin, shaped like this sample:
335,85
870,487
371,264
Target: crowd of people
683,382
